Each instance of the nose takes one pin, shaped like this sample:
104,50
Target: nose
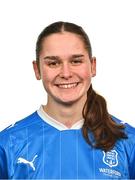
66,71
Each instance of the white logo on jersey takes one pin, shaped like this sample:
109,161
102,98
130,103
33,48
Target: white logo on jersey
110,158
30,163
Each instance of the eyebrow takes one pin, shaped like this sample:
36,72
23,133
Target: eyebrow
58,58
77,55
51,57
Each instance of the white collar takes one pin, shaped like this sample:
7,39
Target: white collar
56,123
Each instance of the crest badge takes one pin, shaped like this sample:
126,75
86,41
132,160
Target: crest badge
110,158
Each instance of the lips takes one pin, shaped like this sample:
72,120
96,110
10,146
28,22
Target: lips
67,86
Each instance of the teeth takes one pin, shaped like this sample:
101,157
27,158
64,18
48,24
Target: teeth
67,86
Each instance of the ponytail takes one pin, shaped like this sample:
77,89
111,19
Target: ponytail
99,122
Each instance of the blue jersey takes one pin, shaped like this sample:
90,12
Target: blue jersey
33,149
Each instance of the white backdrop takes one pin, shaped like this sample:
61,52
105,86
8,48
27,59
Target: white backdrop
110,25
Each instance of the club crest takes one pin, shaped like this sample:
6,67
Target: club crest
110,158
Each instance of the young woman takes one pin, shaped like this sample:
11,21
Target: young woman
73,136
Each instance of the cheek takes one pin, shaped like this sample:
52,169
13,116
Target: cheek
47,76
85,73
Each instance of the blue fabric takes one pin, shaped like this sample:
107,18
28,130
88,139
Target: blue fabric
33,149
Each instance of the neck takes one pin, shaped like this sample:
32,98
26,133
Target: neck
65,114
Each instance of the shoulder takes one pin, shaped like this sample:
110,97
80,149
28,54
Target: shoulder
19,127
129,142
128,145
129,129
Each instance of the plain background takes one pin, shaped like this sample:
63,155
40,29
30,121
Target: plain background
110,25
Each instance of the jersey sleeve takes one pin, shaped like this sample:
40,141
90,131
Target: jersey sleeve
131,143
3,164
132,164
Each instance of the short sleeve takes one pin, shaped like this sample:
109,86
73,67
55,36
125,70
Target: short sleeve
132,164
3,164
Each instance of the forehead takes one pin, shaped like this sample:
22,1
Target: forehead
64,41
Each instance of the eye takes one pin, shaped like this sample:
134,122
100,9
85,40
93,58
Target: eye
53,63
76,61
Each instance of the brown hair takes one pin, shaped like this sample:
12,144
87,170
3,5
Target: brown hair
98,121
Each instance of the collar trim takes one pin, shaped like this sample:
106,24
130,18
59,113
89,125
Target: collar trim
56,123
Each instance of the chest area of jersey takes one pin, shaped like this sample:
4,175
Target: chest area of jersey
65,155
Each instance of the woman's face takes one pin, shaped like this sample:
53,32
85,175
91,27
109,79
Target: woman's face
65,68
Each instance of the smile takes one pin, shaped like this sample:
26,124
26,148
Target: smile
67,86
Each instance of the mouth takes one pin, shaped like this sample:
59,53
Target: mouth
67,86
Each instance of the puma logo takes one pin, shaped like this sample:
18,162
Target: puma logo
30,163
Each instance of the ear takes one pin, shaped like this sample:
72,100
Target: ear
93,66
36,70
